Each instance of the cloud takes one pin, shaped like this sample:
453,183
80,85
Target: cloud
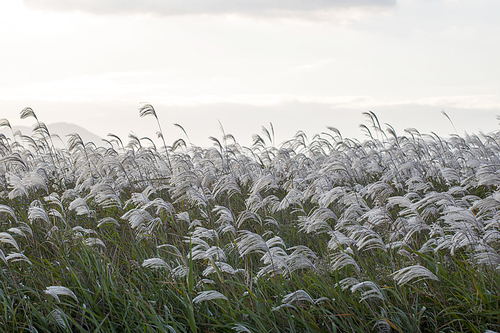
204,7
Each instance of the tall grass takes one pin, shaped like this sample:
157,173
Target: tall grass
328,234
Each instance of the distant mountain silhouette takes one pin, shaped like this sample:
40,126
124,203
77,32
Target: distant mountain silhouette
60,129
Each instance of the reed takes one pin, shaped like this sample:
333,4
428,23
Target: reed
328,234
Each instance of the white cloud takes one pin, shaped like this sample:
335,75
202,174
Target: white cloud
187,7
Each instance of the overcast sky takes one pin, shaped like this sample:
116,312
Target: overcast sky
300,64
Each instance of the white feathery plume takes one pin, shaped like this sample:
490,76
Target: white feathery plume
15,161
8,210
401,201
196,196
491,236
487,255
397,245
142,226
487,205
204,251
341,260
405,275
273,269
222,267
276,261
331,196
20,186
155,263
263,183
347,283
379,190
83,230
56,213
38,213
183,216
336,166
208,295
293,197
416,184
175,251
148,228
228,228
138,199
445,243
16,184
250,242
298,260
137,217
271,202
247,215
254,202
55,291
53,198
338,240
428,246
433,198
414,224
204,281
104,195
377,216
25,227
142,198
201,232
457,190
460,218
79,205
487,175
275,241
270,220
215,252
179,272
371,290
352,213
226,216
69,194
59,317
107,221
17,231
94,241
366,238
297,296
226,183
316,221
160,205
7,238
450,175
303,250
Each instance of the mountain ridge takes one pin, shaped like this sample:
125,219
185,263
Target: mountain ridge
61,129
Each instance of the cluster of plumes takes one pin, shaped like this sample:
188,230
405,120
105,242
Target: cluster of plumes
399,195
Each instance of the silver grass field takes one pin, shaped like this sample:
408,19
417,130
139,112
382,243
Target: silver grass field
398,233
